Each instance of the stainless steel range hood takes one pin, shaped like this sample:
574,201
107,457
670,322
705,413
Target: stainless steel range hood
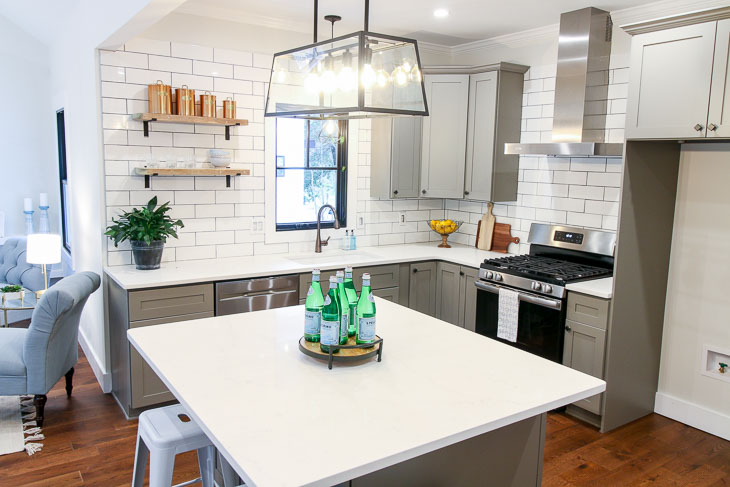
581,89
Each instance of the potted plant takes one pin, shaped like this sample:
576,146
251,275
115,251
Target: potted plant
147,230
12,291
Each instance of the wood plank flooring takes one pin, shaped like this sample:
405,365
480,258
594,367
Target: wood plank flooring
90,443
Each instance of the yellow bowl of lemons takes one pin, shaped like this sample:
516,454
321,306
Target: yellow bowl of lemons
444,228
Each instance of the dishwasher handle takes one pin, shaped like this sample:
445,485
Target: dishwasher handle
258,293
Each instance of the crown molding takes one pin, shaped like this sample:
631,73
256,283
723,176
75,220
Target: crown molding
670,22
220,13
463,69
516,40
434,48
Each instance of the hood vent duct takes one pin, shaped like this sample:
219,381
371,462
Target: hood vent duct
581,89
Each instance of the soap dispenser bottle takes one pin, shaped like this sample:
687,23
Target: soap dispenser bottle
353,240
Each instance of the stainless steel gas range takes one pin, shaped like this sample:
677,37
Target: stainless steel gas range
559,255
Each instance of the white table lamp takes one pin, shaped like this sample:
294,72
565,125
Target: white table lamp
45,249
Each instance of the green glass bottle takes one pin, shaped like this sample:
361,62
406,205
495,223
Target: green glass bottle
331,319
352,298
313,309
344,307
366,313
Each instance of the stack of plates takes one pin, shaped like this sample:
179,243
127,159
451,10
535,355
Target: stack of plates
220,158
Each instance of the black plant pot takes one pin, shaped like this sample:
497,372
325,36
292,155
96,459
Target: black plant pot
147,257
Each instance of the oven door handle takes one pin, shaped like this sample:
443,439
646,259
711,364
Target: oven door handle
523,296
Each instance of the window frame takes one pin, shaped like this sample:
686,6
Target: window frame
341,188
63,176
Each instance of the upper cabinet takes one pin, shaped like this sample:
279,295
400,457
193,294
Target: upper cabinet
395,156
444,136
679,82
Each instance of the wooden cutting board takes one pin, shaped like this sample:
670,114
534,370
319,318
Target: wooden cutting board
503,237
485,229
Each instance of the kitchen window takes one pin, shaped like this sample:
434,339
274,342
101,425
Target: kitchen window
311,170
63,177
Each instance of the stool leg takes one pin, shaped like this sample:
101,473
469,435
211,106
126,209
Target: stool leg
206,462
140,462
162,464
230,479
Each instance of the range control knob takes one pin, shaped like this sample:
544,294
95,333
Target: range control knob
490,274
547,288
536,286
497,276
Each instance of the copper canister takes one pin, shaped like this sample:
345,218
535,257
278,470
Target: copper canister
229,108
207,105
160,98
185,98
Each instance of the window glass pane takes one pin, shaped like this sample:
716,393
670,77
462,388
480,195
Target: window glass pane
301,192
291,135
323,143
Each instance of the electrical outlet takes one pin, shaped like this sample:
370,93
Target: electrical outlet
257,225
401,219
360,222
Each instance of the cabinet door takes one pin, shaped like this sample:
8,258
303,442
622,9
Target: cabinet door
389,294
444,136
147,388
669,89
481,135
718,121
406,157
468,298
584,351
422,288
448,290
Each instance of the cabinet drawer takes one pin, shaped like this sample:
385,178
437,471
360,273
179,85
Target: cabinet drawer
381,277
391,294
147,388
171,301
305,280
589,310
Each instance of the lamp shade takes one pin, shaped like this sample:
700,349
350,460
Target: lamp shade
43,248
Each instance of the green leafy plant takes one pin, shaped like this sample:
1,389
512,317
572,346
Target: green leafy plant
146,224
11,289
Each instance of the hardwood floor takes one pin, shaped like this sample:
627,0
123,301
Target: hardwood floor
90,443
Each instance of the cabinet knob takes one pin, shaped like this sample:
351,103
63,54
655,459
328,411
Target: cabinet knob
712,127
466,193
699,127
395,191
461,273
423,191
568,328
415,270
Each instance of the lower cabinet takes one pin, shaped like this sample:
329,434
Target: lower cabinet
456,294
468,298
389,294
422,288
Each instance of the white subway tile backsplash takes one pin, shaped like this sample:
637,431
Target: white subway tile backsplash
214,238
230,56
195,253
148,46
112,73
123,90
252,74
595,164
261,60
602,207
586,192
191,51
219,70
569,177
584,220
192,81
124,59
171,64
234,250
194,197
192,140
568,204
198,225
612,194
604,179
147,77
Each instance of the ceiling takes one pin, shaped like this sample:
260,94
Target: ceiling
468,20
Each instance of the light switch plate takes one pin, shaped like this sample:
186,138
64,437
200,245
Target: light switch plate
401,219
257,225
360,221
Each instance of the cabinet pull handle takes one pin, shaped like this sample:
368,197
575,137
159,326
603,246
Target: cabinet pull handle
568,328
712,127
423,191
395,191
698,127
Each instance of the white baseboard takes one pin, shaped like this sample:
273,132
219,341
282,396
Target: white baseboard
693,415
104,378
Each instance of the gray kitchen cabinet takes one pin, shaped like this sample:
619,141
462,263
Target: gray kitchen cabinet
468,298
443,154
494,118
448,292
422,288
381,277
719,114
395,157
134,383
389,294
670,80
584,350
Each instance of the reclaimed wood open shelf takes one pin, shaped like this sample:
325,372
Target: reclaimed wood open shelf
146,118
190,171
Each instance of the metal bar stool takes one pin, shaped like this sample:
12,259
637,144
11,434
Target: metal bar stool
164,433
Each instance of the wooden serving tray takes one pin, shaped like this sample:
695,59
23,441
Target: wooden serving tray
349,352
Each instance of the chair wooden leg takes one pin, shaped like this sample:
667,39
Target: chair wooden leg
69,382
40,403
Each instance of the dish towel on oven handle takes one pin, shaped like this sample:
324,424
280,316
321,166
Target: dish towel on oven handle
507,315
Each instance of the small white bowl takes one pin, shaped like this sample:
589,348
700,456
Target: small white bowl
220,162
219,153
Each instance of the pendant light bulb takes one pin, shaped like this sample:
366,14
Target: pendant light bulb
400,76
382,78
280,76
328,79
406,66
346,79
416,74
368,77
330,128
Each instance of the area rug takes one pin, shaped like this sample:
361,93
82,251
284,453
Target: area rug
18,428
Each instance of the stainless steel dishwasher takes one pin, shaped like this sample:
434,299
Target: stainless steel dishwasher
233,297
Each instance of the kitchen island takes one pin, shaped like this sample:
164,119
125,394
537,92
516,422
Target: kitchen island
444,407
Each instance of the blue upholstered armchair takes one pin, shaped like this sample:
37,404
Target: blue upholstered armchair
15,270
33,360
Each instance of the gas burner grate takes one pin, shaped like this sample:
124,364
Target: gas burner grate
545,268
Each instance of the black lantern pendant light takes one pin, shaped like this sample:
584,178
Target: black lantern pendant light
358,75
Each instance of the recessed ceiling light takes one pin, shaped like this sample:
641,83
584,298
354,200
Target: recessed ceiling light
440,13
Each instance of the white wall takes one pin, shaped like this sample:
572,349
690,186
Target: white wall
29,162
697,307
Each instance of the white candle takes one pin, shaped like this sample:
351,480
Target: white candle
28,204
43,199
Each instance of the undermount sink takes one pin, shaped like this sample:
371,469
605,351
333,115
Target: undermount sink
339,256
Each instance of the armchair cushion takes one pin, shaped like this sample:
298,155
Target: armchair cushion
15,270
12,366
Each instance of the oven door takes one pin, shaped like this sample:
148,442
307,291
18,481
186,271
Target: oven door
541,322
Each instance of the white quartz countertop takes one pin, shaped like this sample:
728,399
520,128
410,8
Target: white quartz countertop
283,419
210,270
601,288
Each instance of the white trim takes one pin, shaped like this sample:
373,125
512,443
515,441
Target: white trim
713,422
673,21
271,235
104,378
